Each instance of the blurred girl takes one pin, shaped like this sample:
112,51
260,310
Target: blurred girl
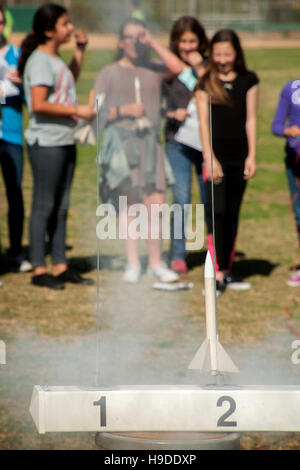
140,149
286,124
189,42
51,97
234,92
11,146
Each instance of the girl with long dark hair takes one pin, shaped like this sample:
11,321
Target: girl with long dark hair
53,113
189,42
234,93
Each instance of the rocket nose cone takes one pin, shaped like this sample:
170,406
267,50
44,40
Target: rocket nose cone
209,267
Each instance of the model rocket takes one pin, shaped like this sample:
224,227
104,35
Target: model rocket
211,356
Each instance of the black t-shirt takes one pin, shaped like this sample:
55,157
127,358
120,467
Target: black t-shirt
229,136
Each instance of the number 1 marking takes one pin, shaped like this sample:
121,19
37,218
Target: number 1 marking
102,404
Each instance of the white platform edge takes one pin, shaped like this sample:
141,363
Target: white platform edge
172,408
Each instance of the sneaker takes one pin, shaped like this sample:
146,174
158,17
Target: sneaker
236,283
162,273
21,265
132,273
25,266
47,280
180,267
294,280
73,276
220,288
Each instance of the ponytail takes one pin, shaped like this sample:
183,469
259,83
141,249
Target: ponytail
29,44
44,20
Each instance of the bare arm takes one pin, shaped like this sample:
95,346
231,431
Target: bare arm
41,105
251,131
179,114
76,62
202,101
171,61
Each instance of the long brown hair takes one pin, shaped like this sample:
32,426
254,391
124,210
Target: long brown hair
188,24
210,80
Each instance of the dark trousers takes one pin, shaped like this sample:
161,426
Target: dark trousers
11,159
53,170
228,196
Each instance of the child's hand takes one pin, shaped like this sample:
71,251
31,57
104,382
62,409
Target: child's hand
179,114
292,131
194,59
81,39
13,76
85,112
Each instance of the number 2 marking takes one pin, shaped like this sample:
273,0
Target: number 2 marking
222,421
102,404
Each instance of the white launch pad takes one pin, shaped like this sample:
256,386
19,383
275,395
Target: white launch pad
167,408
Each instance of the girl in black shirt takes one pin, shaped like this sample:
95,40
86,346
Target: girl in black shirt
234,92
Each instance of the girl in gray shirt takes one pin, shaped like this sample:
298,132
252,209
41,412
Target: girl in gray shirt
53,113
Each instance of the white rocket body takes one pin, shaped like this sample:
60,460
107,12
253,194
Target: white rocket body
211,355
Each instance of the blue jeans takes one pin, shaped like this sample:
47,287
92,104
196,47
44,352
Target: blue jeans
294,185
11,159
182,158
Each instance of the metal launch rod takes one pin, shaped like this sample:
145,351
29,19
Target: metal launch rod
98,336
213,208
101,118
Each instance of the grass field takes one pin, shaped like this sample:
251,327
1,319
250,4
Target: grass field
149,336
